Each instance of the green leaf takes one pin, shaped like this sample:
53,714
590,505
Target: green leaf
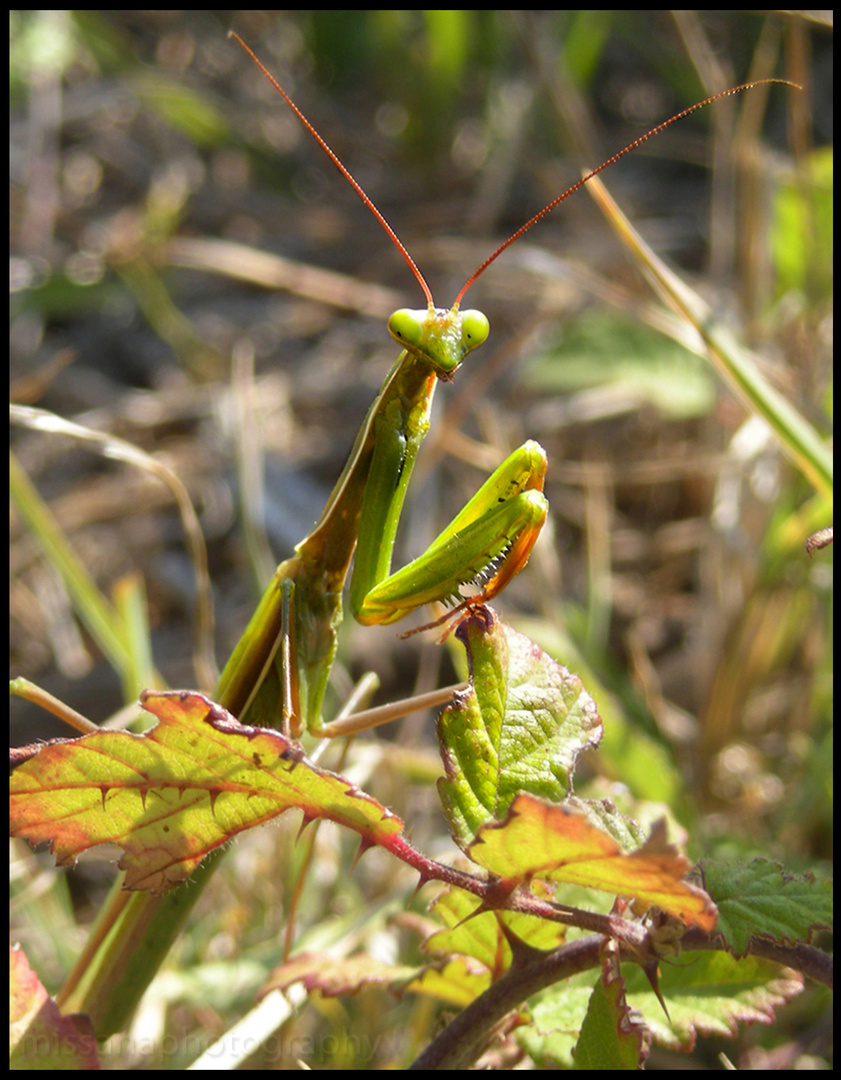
481,936
802,227
612,1038
183,108
631,363
762,898
710,994
519,727
580,1026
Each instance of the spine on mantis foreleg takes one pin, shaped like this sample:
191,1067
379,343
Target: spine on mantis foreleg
484,546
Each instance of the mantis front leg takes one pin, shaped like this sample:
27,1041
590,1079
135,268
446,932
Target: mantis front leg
487,543
286,653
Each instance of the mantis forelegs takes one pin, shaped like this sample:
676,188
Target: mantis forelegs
291,640
487,543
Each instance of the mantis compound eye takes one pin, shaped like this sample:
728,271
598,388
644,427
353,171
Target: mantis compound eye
474,328
406,327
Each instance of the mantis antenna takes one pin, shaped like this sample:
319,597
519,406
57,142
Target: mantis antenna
398,243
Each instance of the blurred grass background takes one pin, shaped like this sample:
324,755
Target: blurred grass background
673,577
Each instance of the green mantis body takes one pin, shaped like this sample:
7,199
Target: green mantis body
278,672
303,604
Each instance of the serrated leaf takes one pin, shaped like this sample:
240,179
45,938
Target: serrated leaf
762,898
711,993
708,993
556,1020
40,1037
333,976
595,1024
554,844
170,796
612,1038
458,982
519,727
481,936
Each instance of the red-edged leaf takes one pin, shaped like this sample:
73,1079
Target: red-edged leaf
333,976
170,796
553,843
40,1037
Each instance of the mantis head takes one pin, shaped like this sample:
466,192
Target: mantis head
443,338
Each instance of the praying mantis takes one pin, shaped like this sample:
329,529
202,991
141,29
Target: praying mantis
278,672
